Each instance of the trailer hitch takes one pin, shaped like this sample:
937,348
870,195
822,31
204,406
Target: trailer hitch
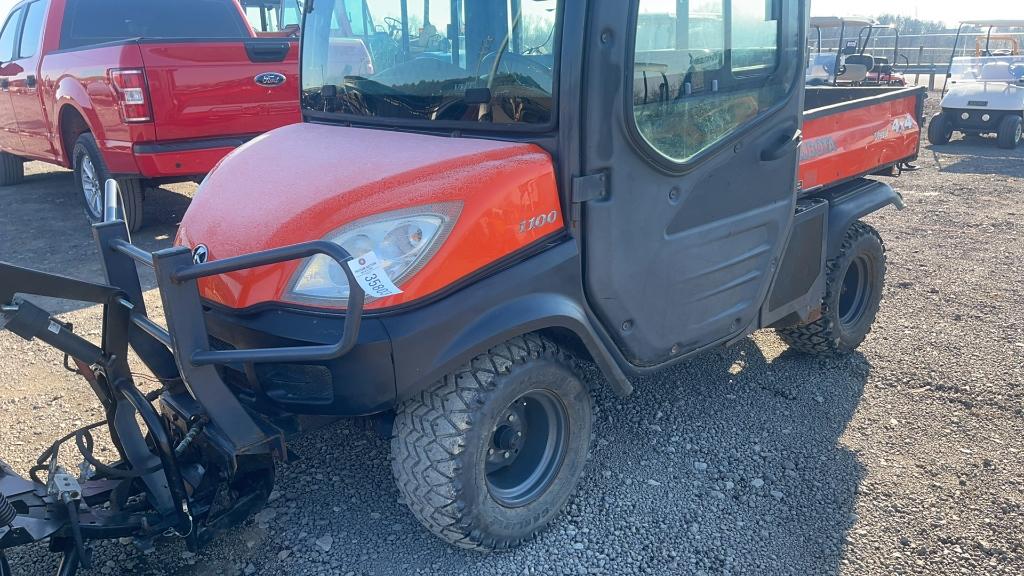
201,462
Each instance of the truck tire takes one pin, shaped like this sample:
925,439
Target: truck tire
90,175
940,129
12,169
1011,131
489,456
853,294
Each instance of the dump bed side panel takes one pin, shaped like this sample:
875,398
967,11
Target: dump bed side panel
859,137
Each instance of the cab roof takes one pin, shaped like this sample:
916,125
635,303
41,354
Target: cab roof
838,21
996,23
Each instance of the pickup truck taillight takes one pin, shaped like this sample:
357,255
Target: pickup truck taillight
132,94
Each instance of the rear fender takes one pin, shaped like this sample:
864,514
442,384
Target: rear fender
70,93
853,201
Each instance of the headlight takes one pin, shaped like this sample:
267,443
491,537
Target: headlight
404,241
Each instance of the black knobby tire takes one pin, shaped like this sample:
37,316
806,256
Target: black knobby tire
1011,130
940,129
90,167
12,169
449,457
853,294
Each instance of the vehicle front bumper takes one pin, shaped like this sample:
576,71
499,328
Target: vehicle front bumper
974,121
359,383
401,352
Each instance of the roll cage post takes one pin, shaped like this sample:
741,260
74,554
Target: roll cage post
949,69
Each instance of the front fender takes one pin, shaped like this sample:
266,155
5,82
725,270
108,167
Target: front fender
851,202
542,292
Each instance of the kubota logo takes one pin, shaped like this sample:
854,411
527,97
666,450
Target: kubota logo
200,254
269,79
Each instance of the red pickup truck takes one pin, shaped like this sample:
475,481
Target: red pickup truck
145,92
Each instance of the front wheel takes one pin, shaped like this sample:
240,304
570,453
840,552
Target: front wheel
91,174
853,294
1011,132
490,455
940,129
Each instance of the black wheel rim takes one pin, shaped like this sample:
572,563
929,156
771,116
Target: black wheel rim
527,447
855,293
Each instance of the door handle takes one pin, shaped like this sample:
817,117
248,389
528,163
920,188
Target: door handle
30,81
267,51
784,149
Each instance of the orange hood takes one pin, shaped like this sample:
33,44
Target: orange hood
302,182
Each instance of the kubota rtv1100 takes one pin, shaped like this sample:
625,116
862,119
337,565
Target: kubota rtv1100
518,187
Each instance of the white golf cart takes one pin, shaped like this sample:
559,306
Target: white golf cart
984,93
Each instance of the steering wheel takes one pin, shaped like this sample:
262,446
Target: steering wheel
512,63
394,25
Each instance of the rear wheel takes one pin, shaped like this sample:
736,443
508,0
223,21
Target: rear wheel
12,169
490,455
940,129
1011,132
91,175
853,294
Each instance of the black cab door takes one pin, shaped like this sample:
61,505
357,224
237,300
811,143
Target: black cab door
692,114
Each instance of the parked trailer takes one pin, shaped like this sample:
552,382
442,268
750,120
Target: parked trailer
442,242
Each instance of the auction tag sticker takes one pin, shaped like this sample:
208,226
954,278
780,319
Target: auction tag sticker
372,277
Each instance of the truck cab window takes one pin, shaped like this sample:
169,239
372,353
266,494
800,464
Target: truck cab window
8,36
703,70
479,61
33,29
89,22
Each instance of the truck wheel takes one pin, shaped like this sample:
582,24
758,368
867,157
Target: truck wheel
853,293
1011,132
91,175
490,455
940,129
12,169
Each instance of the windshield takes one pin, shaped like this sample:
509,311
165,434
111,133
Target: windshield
481,61
988,69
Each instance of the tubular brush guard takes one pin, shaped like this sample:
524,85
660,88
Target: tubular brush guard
204,462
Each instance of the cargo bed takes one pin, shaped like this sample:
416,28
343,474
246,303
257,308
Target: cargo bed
851,132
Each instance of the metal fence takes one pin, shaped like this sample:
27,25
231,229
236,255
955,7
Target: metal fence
923,58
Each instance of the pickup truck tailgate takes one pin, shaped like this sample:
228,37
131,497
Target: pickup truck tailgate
218,88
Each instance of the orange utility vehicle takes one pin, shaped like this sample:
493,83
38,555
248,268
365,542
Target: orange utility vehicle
515,189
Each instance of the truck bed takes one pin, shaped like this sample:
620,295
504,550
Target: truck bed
850,132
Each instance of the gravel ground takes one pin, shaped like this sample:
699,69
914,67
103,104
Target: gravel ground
903,458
